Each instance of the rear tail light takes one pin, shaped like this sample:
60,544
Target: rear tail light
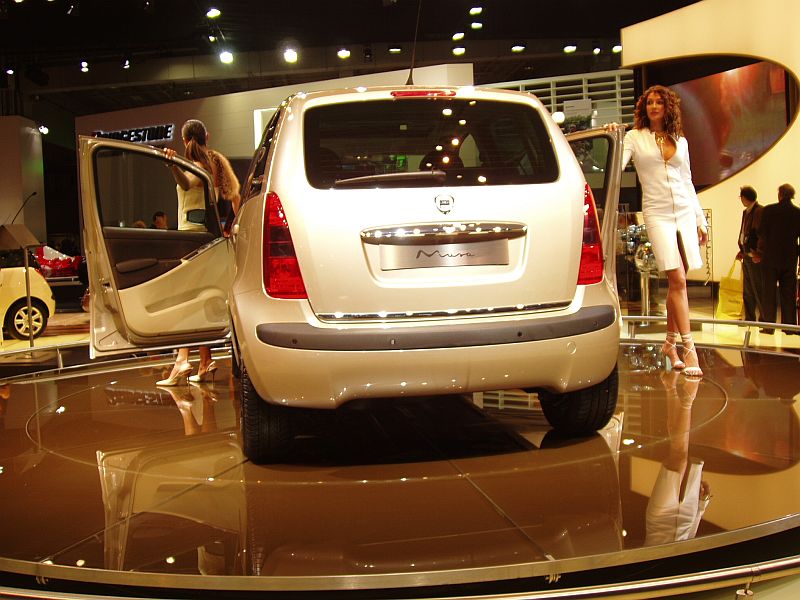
282,277
591,269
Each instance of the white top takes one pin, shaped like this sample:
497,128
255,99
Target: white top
669,200
191,199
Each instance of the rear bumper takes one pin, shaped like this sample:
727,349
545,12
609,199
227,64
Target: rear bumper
297,364
302,336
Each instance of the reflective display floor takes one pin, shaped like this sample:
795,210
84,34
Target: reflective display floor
106,478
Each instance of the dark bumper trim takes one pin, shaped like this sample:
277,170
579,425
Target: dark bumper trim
303,336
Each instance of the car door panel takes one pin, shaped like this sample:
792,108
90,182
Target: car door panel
599,153
150,288
139,255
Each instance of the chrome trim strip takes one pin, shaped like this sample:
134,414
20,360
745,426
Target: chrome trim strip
440,314
302,336
443,233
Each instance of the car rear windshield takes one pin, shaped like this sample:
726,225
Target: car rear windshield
463,141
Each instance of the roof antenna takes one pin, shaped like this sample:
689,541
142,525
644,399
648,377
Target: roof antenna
410,80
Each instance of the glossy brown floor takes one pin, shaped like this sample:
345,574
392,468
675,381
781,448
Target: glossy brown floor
107,478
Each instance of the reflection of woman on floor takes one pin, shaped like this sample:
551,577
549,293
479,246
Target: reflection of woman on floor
680,497
195,419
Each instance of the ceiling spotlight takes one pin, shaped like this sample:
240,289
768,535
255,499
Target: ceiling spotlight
458,50
596,50
74,8
9,71
84,66
212,38
475,10
476,25
43,129
616,49
457,37
290,55
518,48
213,13
395,49
18,1
226,57
570,48
343,53
126,63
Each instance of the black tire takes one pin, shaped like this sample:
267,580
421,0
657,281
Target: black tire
583,411
16,320
266,428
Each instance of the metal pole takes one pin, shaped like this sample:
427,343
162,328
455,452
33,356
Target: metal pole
28,293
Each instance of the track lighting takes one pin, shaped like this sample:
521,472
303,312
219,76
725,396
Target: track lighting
226,57
290,55
213,13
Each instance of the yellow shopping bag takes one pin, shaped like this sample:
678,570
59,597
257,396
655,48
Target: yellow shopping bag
731,297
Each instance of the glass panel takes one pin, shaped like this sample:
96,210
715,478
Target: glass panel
473,142
136,190
593,157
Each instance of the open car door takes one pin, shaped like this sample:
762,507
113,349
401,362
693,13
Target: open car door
150,288
599,153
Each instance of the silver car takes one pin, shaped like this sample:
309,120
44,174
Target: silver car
391,242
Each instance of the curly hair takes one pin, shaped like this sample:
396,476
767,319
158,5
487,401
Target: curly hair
672,110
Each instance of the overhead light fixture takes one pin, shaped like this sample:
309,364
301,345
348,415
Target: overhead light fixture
457,37
212,38
9,71
367,53
617,49
84,66
43,129
290,55
74,8
476,25
596,50
517,48
395,49
475,10
226,57
459,50
126,63
343,53
570,48
213,13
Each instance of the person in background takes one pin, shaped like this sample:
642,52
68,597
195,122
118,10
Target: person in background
159,220
676,226
748,247
139,224
778,236
195,139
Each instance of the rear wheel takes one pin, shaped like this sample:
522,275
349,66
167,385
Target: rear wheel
266,428
582,411
16,320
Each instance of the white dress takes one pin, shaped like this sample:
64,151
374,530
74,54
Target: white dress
192,199
669,200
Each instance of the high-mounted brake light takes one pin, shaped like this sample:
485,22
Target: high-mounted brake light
423,93
282,277
591,268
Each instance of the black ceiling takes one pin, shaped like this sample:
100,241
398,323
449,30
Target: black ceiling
44,40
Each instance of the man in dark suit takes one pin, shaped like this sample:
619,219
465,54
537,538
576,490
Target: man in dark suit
778,247
748,244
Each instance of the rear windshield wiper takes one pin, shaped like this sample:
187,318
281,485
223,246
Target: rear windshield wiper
410,179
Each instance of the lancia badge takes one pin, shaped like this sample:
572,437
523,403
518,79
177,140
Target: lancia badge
444,203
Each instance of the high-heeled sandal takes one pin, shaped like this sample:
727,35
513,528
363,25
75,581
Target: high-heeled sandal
179,376
211,369
668,348
688,348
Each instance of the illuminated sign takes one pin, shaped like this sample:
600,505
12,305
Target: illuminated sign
150,135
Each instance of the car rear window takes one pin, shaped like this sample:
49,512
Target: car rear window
469,142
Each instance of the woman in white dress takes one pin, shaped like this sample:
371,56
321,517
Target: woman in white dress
191,196
676,226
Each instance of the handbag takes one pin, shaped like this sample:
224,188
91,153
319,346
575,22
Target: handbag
731,297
